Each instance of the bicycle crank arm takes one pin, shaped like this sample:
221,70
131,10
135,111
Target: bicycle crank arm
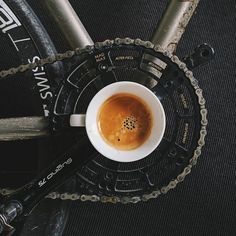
18,205
200,56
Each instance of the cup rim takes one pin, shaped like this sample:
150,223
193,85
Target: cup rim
124,155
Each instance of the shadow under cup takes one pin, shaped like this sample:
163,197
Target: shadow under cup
93,126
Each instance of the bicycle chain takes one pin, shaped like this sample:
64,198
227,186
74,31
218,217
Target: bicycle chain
125,41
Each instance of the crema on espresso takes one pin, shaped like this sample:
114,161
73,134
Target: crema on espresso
124,121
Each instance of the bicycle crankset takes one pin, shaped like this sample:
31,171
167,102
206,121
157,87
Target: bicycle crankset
101,179
184,105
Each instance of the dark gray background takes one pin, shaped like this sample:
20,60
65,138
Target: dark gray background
204,204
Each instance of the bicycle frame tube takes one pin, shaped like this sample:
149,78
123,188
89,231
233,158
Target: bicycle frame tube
23,128
173,23
167,33
69,22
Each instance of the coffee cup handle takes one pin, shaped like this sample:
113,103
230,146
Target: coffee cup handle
77,120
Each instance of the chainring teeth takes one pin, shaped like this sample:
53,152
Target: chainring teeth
182,100
124,57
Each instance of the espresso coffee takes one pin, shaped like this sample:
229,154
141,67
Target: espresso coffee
124,121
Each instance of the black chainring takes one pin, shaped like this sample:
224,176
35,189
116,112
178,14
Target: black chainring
168,82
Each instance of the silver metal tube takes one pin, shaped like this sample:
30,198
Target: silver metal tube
69,23
23,128
173,23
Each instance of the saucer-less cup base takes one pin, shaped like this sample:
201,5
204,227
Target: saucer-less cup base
98,142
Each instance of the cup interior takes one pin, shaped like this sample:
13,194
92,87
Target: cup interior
157,130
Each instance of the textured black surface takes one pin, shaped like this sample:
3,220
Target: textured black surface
204,204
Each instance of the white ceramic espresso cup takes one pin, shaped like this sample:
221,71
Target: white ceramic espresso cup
90,121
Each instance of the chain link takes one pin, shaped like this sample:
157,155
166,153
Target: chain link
126,41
